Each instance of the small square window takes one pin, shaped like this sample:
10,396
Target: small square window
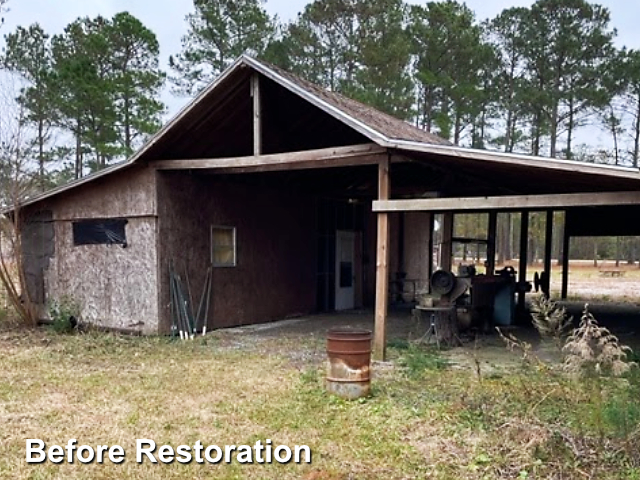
223,246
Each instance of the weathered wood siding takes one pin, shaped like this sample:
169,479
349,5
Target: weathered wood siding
116,287
276,267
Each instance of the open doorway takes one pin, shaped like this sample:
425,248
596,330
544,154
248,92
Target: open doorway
345,270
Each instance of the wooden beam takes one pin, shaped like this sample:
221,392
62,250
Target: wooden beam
491,242
511,202
565,260
524,254
367,154
382,267
548,244
257,114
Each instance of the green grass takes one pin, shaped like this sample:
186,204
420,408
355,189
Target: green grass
427,418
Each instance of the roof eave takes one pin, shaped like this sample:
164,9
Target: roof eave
517,159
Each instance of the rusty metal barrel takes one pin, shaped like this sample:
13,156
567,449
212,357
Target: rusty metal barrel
349,352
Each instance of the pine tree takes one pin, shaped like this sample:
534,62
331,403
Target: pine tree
568,47
137,79
382,78
107,83
451,67
506,33
219,32
28,54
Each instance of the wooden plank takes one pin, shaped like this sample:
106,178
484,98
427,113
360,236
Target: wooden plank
382,267
548,244
367,154
510,202
257,114
524,252
565,260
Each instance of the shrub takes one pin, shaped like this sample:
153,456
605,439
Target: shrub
549,319
64,314
594,350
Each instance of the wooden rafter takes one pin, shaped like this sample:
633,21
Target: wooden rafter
257,114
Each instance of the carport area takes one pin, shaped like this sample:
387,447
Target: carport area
593,200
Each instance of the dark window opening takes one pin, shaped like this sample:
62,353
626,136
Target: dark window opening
346,274
100,232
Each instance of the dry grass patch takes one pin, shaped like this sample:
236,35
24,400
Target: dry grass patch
426,419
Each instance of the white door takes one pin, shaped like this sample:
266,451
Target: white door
345,270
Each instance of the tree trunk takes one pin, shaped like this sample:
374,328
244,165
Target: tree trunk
570,130
536,134
483,127
507,136
78,163
127,125
614,134
631,250
553,133
41,155
442,326
595,252
428,108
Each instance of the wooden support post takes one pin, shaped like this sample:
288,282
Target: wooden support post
430,247
565,259
524,254
446,250
491,242
257,114
548,244
382,267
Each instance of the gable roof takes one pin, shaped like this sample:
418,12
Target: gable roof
367,120
381,128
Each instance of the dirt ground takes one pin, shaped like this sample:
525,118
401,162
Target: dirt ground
303,340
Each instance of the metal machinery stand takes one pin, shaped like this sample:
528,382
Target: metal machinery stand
432,331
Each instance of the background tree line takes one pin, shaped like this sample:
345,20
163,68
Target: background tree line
529,80
88,96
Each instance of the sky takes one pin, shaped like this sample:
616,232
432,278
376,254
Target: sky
166,18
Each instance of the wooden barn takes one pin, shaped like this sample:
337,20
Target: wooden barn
301,199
